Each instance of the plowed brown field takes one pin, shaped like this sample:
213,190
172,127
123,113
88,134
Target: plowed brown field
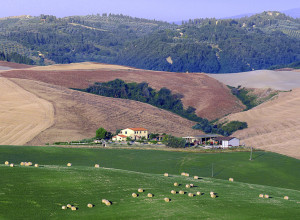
274,125
78,114
22,114
211,98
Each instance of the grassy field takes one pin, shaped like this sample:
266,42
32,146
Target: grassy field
39,193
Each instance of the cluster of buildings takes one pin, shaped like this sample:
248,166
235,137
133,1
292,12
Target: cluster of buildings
207,139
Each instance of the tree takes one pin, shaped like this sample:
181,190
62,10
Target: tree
101,133
174,142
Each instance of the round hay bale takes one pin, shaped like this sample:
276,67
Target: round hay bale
191,185
261,195
26,164
166,174
167,199
104,200
69,164
286,198
134,195
90,205
150,195
11,165
198,193
181,192
176,184
107,203
36,165
187,174
266,196
173,191
187,186
196,177
22,163
69,205
191,195
6,163
211,193
140,190
73,208
97,165
231,179
64,207
183,174
213,196
29,163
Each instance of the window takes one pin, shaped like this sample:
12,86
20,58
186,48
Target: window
125,132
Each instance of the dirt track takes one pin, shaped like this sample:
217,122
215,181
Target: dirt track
274,125
78,114
22,114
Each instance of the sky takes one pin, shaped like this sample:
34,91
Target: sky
165,10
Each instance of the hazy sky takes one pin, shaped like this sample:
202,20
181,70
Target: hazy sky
168,10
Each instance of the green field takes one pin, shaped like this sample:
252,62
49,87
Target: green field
39,193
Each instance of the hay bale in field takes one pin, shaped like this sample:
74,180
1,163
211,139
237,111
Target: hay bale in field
266,196
90,205
107,203
166,174
22,163
69,205
134,195
181,192
191,185
187,174
286,198
213,196
73,208
150,195
64,207
104,200
261,195
167,199
11,165
36,165
196,177
187,186
183,174
97,165
176,184
140,190
231,179
69,164
191,194
211,193
6,163
173,191
198,193
29,163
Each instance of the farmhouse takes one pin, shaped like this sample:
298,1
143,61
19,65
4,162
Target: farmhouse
135,133
228,141
119,137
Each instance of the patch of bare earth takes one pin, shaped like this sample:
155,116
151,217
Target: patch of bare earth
79,114
22,114
14,65
273,125
211,98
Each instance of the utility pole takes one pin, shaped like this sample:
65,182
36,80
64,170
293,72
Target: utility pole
251,153
212,170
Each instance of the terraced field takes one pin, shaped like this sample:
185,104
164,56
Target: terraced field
22,114
78,114
45,189
274,125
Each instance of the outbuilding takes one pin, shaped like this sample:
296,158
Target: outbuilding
228,141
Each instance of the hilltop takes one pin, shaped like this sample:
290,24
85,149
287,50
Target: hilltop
200,45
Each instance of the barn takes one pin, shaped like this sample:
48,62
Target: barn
228,141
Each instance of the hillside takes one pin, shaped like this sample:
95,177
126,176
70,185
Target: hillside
211,98
273,125
200,45
78,114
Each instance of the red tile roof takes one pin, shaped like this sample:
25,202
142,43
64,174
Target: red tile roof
121,135
138,129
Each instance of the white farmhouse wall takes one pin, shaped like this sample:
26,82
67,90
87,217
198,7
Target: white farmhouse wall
235,142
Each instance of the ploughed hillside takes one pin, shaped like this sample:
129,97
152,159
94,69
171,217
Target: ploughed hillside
79,114
273,125
211,98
